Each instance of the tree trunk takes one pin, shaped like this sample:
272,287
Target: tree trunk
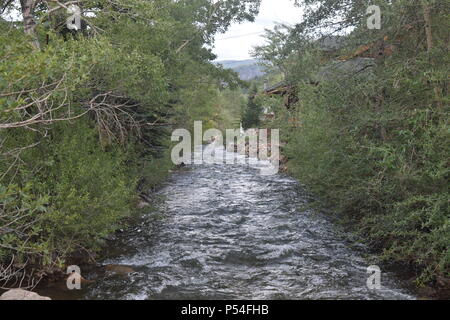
427,18
430,44
29,24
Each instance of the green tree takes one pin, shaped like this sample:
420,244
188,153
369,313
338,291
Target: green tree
85,120
251,117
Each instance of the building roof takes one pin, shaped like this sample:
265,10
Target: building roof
280,85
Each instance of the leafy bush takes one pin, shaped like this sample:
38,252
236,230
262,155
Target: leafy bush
69,195
386,169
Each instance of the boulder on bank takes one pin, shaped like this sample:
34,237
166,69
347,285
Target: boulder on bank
20,294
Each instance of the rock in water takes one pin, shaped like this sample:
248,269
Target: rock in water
20,294
119,269
76,275
143,204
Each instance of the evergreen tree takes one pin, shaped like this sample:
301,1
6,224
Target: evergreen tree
251,117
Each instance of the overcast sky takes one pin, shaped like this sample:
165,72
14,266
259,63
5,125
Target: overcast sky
237,43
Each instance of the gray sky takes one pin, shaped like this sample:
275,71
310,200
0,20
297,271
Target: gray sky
237,43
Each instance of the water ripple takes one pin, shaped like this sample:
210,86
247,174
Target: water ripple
229,233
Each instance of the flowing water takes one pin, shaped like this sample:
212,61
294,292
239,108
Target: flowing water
227,232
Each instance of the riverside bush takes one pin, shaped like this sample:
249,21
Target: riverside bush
86,116
373,143
387,171
68,196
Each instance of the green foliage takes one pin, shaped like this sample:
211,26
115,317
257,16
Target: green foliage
251,117
230,104
68,195
85,120
374,145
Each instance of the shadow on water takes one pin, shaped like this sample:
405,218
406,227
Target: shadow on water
227,232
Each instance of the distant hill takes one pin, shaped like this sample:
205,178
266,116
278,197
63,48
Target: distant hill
247,69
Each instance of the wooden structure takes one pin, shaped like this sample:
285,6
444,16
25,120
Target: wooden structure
284,89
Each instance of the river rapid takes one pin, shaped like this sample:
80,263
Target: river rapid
227,232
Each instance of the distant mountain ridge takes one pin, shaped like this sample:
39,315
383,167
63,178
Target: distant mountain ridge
247,69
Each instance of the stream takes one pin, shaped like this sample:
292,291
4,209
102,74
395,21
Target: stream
227,232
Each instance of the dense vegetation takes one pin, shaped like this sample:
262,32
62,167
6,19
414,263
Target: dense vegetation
372,142
85,115
251,115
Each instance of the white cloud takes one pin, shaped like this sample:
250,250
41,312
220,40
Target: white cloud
237,43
